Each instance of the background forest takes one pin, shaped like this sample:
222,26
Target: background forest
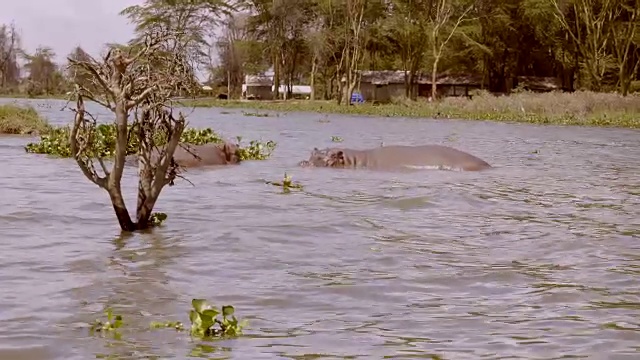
585,44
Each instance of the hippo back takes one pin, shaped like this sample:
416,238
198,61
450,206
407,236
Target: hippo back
200,155
188,155
423,156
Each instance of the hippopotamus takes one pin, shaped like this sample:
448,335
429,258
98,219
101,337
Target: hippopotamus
207,154
396,157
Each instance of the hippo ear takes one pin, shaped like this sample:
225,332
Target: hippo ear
337,155
335,158
230,148
229,151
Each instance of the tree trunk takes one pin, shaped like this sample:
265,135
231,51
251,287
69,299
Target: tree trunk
339,76
350,89
329,91
622,79
146,202
120,208
407,84
312,80
276,76
434,77
626,77
114,178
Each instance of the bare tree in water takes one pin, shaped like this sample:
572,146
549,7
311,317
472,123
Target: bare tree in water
139,82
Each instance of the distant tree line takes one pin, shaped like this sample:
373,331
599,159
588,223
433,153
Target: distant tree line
39,74
586,44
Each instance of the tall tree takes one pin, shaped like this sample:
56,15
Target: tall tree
239,53
80,75
440,34
44,75
267,22
353,49
625,37
193,22
407,25
9,51
590,33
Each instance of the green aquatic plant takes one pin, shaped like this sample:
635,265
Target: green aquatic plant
167,324
205,320
256,114
336,139
287,184
157,218
200,136
56,142
113,323
256,150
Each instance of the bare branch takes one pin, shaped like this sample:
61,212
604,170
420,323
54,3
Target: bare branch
136,100
77,150
91,68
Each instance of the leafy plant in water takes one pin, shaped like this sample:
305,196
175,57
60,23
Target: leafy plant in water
257,114
287,184
256,150
205,322
167,324
199,137
158,218
56,142
112,324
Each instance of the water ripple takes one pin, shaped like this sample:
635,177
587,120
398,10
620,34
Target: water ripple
537,258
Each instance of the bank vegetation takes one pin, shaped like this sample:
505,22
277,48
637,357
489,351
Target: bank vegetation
584,108
22,120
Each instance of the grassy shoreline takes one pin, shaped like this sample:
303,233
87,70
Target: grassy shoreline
580,108
22,120
36,97
555,108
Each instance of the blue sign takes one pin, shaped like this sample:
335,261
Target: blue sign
356,97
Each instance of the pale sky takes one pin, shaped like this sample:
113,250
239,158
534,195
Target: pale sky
65,24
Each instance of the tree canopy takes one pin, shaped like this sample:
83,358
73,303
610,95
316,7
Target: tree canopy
592,45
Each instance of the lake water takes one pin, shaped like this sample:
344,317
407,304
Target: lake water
538,258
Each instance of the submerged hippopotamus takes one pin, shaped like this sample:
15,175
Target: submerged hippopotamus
396,157
207,154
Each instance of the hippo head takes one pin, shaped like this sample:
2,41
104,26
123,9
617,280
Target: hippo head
324,158
230,151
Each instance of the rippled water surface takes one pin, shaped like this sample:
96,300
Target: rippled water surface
538,258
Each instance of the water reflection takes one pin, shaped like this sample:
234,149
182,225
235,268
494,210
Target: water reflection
537,258
132,280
